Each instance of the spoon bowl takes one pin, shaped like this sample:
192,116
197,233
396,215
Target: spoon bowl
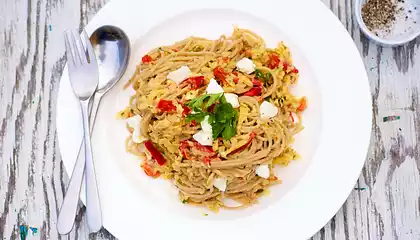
112,50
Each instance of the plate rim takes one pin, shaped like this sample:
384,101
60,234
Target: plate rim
105,12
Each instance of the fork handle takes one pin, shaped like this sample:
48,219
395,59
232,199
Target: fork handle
68,209
93,207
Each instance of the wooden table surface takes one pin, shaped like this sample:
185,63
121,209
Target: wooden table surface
384,205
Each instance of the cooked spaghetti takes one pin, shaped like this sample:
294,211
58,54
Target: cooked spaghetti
215,116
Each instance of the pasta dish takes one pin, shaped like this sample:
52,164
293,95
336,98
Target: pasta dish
215,117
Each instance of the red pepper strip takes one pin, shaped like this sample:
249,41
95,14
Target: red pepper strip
257,83
183,147
285,67
219,74
291,116
273,61
186,110
255,91
294,70
235,73
243,147
236,80
207,160
193,123
195,82
302,105
166,106
149,171
155,153
202,148
146,59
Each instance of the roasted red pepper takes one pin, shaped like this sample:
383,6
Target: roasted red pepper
255,91
302,105
184,149
155,152
219,74
166,106
235,79
257,83
285,67
187,146
146,59
294,70
195,82
207,160
202,148
292,118
194,123
252,135
186,110
149,171
273,61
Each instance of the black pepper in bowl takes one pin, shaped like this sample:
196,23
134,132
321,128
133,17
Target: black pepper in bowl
379,14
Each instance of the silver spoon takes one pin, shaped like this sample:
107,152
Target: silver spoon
112,50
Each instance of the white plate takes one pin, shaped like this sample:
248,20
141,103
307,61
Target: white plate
333,144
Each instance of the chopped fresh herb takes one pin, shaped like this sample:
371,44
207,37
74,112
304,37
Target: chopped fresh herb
223,118
267,99
184,201
262,76
197,114
205,214
199,101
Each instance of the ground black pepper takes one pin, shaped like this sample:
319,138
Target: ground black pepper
379,14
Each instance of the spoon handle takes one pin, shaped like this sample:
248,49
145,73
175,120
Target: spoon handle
93,207
94,106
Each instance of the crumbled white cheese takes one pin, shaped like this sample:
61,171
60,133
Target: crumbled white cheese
268,110
205,125
233,99
204,138
246,65
220,183
135,123
180,74
214,87
263,171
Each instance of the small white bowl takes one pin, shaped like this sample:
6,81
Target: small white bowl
404,29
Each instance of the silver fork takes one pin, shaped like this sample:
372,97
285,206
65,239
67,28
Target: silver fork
84,77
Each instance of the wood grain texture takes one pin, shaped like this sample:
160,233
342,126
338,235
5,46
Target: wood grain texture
33,179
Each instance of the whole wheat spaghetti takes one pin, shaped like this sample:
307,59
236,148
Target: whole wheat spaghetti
215,116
